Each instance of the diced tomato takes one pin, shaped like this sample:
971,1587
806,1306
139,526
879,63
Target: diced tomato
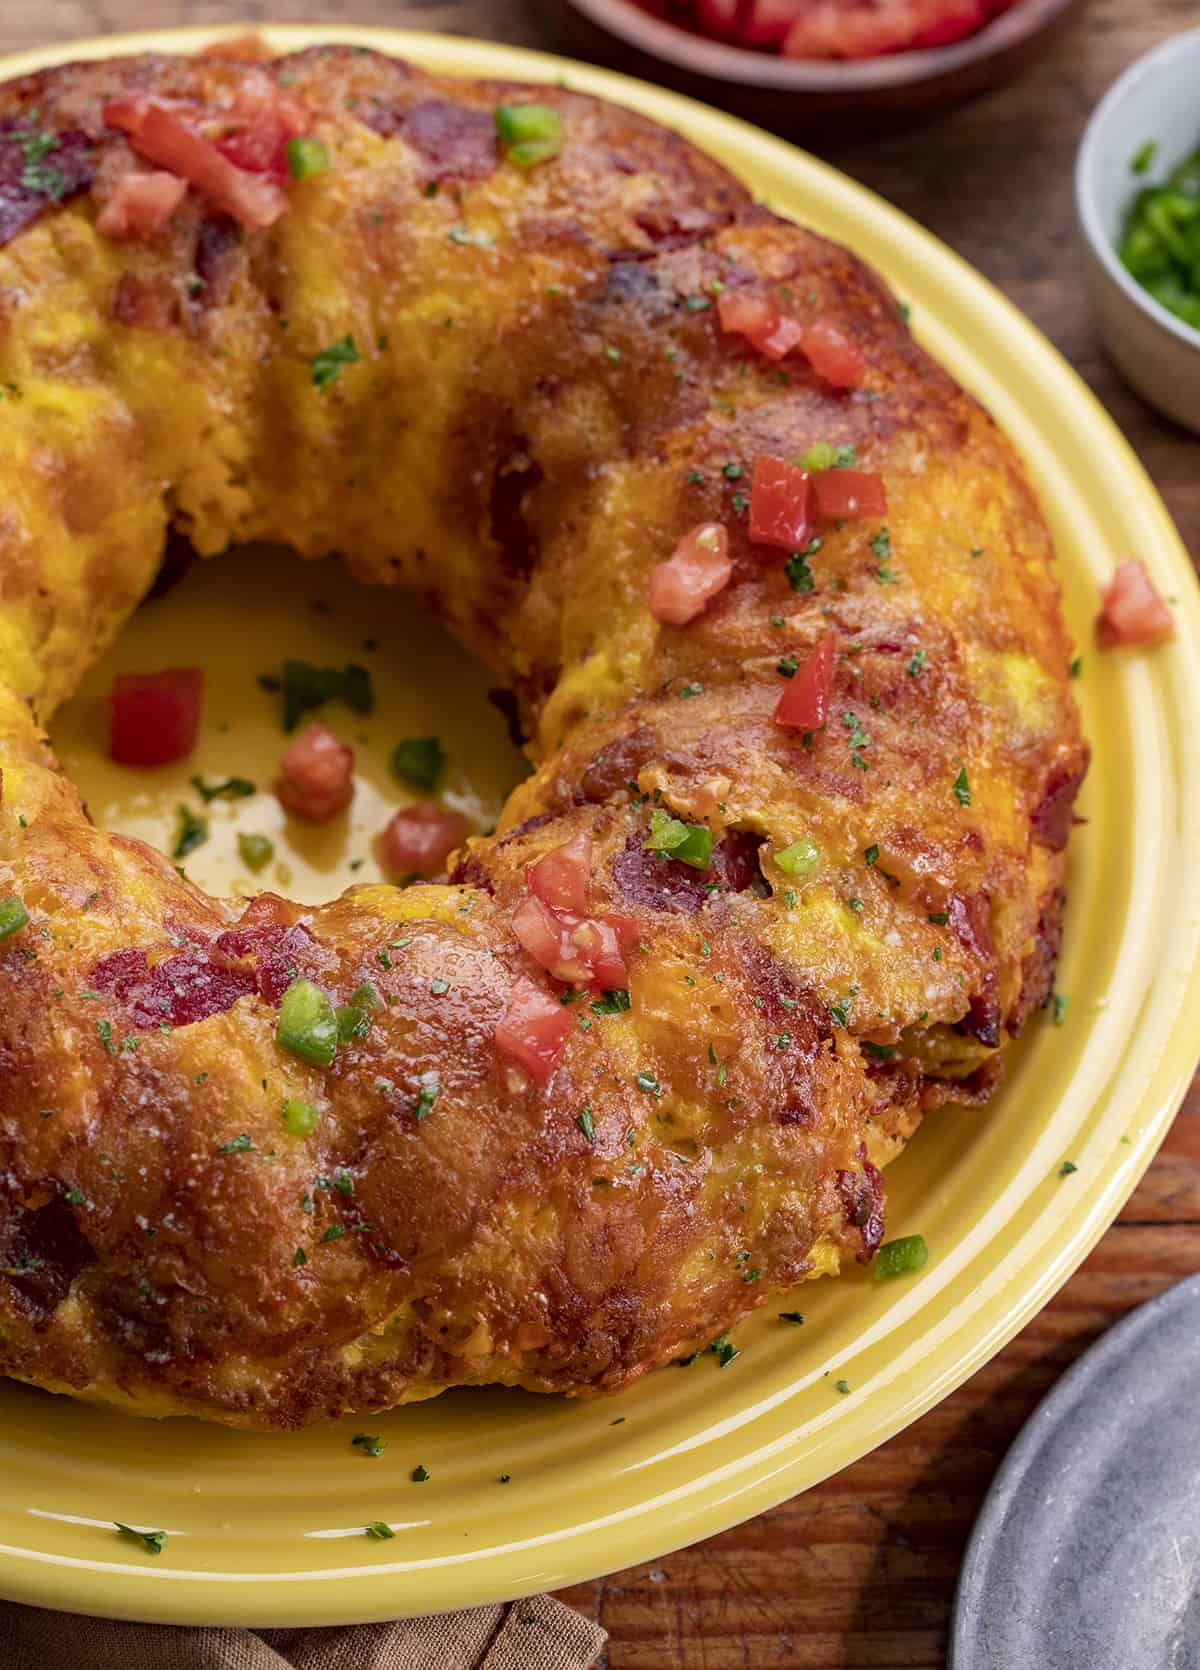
316,776
757,318
960,18
140,205
781,505
682,587
533,1030
1131,611
155,716
804,705
560,877
420,838
849,493
163,136
544,934
836,29
768,21
833,355
582,950
720,17
261,122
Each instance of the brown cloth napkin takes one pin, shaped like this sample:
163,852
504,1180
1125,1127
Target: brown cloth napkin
537,1634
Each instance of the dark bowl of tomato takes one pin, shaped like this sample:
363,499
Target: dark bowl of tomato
740,54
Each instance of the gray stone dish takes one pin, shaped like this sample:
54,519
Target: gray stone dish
1086,1554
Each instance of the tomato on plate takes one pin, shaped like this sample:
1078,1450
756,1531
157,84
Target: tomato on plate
682,587
1131,610
533,1030
804,705
420,838
155,716
316,776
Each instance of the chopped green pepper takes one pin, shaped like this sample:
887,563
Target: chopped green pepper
531,133
689,843
306,157
300,1118
13,916
901,1257
255,851
307,1023
800,858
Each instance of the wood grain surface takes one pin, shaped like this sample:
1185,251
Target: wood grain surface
859,1573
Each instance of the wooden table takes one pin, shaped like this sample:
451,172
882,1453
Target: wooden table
859,1574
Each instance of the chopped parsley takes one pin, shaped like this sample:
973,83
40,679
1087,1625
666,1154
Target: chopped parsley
193,832
419,760
646,1082
839,1013
306,687
151,1541
615,1002
377,1528
327,365
858,741
1067,1168
871,856
799,574
724,1350
237,1145
843,1387
917,664
367,1444
426,1098
39,175
233,788
939,918
418,1475
1059,1008
962,789
792,1316
881,546
586,1123
787,666
104,1032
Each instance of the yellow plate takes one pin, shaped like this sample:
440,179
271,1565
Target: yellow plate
269,1530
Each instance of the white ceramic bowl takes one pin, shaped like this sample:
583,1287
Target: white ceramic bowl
1157,99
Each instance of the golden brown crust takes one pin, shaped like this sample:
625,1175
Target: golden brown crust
543,405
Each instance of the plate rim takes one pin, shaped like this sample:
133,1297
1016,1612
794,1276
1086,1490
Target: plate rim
989,1522
761,1478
